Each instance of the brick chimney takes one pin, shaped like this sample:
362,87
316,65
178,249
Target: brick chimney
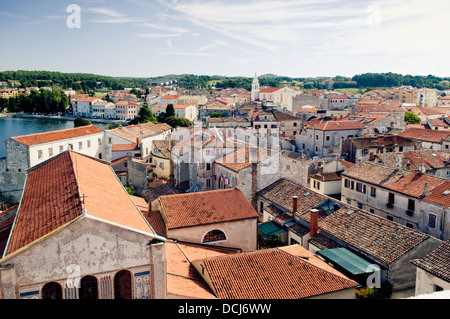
313,222
380,140
294,204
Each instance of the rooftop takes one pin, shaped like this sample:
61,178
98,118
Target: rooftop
202,208
69,186
279,273
53,136
437,262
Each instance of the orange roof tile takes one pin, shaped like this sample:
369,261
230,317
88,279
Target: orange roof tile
270,274
425,135
201,208
48,137
66,187
269,90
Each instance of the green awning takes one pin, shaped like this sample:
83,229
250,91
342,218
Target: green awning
347,260
271,228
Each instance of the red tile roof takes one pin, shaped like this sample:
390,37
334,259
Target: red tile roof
337,125
375,235
437,262
269,90
66,187
425,135
201,208
53,136
270,274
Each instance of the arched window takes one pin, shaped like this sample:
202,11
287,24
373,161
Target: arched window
214,235
88,288
122,285
52,290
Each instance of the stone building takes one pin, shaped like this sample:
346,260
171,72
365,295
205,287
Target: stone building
97,244
23,152
218,217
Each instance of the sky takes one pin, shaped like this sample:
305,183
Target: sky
296,38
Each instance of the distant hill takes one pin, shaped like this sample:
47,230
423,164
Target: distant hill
268,76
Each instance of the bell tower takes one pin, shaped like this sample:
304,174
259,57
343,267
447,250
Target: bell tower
255,88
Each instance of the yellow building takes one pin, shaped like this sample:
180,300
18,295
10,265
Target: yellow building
160,156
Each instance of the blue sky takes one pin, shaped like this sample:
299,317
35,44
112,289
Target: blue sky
227,37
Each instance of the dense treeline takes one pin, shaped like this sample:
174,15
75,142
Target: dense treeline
395,80
76,81
42,101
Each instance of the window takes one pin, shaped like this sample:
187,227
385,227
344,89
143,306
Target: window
80,145
110,140
88,288
327,138
360,188
409,225
372,211
214,235
208,166
389,217
316,184
411,205
50,152
391,198
431,220
295,124
317,137
317,149
208,182
52,290
89,143
40,154
122,285
161,165
61,148
349,184
70,147
373,192
360,206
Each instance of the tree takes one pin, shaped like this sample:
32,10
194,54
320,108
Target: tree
79,121
170,111
216,114
175,121
411,118
144,116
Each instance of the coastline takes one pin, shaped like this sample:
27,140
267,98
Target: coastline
60,118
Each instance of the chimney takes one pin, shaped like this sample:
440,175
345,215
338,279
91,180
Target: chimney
313,222
380,140
425,189
394,139
294,204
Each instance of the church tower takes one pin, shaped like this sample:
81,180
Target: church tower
255,88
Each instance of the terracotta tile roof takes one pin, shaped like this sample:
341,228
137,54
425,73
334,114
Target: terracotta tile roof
337,125
326,177
372,234
409,183
177,106
437,195
270,274
240,158
201,208
425,135
366,142
164,126
138,131
413,160
437,262
155,219
125,147
54,193
282,191
48,137
171,97
153,193
270,90
183,279
126,103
